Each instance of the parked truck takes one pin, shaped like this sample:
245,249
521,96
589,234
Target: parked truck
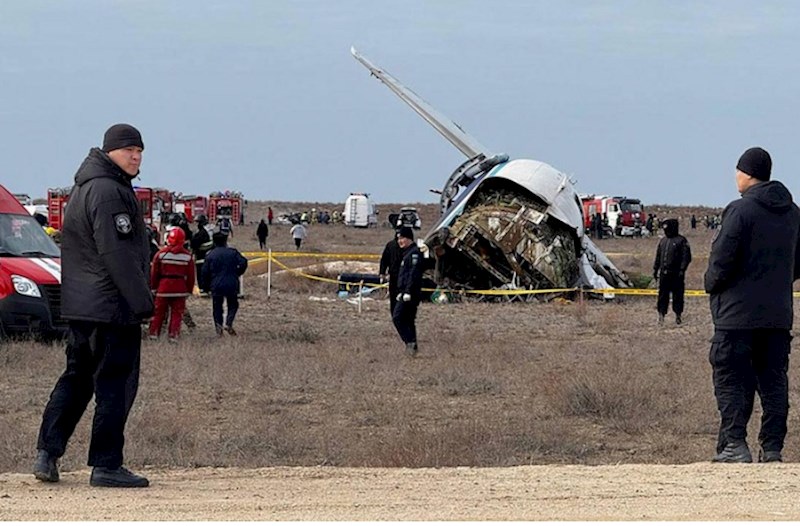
625,215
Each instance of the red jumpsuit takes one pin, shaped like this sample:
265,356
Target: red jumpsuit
172,278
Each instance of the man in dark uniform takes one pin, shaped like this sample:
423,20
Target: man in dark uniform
105,296
390,268
754,261
221,271
672,259
409,290
201,245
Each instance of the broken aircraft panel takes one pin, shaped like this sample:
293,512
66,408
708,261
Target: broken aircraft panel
506,224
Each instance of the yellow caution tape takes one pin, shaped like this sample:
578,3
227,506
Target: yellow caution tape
309,255
261,256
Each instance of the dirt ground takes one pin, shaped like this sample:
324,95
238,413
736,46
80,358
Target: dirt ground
572,411
701,491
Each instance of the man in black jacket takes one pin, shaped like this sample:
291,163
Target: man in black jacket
201,244
221,271
754,261
389,268
105,296
672,259
409,290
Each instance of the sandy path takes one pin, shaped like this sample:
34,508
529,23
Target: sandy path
626,492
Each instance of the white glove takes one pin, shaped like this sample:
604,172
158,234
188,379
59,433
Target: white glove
404,297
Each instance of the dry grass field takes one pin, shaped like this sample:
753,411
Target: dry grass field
316,383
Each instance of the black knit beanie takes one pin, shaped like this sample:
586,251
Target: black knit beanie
121,136
406,232
756,162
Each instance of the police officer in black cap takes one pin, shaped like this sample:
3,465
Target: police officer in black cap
409,290
754,261
105,297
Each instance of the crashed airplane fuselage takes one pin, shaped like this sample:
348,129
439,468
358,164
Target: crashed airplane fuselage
506,223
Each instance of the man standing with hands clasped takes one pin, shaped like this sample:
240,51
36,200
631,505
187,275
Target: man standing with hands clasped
409,290
105,297
754,261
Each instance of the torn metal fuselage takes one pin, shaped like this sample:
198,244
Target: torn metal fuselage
514,224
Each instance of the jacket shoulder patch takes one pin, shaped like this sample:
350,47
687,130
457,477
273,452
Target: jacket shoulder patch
123,224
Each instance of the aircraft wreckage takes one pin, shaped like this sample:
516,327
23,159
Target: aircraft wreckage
514,224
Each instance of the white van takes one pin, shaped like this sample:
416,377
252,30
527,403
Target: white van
359,210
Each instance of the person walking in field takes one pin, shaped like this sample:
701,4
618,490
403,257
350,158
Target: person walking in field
753,263
673,256
409,290
299,234
262,231
172,278
221,272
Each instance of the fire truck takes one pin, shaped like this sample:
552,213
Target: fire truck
626,216
226,204
192,205
30,274
56,205
155,203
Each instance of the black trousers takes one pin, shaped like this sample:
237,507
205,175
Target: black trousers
198,269
674,284
744,363
102,360
216,306
262,243
404,317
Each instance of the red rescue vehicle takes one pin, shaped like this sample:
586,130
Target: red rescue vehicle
30,274
155,203
192,205
625,215
226,204
56,205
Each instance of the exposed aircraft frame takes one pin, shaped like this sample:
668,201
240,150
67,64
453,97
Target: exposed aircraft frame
506,223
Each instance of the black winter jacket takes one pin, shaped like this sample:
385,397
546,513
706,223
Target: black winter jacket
673,254
390,262
754,260
409,280
221,271
105,252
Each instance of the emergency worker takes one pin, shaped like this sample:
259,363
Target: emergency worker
753,262
105,297
172,278
409,290
389,268
201,245
673,256
221,273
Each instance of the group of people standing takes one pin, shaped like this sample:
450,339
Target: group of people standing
107,280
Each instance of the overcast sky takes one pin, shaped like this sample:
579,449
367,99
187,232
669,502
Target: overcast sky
655,100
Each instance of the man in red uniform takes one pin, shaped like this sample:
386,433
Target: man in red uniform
172,278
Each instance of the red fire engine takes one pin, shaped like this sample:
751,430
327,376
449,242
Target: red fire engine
226,204
625,215
192,205
56,204
155,203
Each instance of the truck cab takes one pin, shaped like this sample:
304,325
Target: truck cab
30,274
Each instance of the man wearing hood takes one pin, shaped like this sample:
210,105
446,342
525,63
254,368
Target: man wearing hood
105,297
753,263
672,259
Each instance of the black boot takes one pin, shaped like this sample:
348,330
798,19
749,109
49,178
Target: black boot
116,478
45,467
765,455
734,452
